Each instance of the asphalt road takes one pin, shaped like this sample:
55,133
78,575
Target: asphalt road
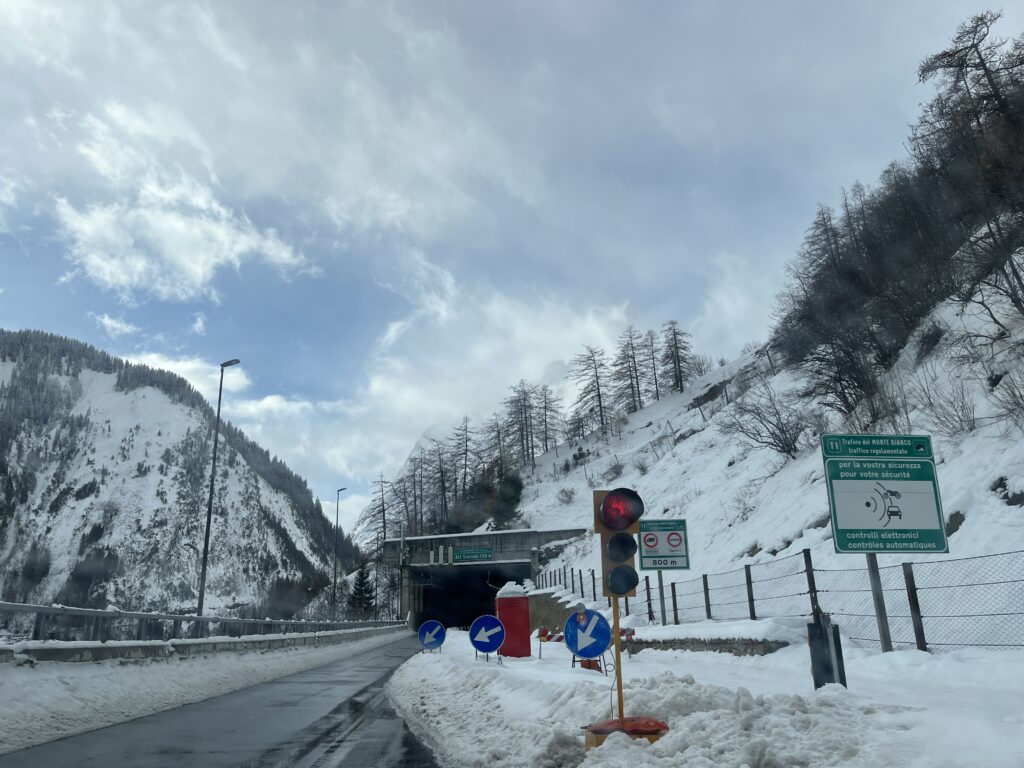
335,715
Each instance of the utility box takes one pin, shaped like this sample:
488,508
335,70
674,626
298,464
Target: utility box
513,609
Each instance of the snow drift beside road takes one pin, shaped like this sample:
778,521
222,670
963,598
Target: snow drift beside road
904,709
53,700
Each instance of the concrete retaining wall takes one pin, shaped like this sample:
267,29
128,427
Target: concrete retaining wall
735,646
84,651
548,611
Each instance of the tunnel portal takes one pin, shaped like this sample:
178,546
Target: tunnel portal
455,578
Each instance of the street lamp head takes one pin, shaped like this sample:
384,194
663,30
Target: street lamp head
342,489
230,362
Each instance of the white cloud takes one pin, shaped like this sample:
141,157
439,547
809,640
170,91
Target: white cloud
165,234
199,324
201,374
114,327
445,365
127,145
42,32
430,289
9,190
168,242
737,306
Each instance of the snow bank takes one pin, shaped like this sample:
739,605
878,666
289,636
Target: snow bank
52,700
907,709
793,631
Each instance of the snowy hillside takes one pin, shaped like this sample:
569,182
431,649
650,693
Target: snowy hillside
747,504
105,485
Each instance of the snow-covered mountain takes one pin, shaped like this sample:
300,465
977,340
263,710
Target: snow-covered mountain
747,504
104,480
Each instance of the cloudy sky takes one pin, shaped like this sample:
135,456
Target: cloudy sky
392,211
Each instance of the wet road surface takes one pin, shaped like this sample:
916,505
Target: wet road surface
335,715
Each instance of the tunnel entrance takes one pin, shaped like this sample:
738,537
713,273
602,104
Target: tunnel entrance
456,594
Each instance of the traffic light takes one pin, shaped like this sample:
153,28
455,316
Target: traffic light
617,516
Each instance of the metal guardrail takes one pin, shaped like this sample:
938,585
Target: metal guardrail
21,622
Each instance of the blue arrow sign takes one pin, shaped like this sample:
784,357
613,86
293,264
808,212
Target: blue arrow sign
487,634
431,635
587,635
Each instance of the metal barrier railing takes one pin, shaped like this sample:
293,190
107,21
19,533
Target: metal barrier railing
21,622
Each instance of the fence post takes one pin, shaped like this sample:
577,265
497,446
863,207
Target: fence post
650,609
812,588
879,599
40,627
627,605
582,593
750,592
565,580
707,596
661,596
915,606
675,605
572,579
593,584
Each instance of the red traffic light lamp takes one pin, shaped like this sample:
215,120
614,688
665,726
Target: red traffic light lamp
621,509
617,516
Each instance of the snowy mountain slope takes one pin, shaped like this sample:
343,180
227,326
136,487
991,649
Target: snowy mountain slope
103,496
745,504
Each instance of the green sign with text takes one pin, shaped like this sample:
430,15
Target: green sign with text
883,493
470,554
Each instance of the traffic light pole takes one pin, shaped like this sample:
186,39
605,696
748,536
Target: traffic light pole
618,653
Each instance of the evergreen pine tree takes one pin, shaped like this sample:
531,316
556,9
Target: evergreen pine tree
360,600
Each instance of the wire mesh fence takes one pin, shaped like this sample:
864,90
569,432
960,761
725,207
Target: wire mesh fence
973,601
936,605
780,588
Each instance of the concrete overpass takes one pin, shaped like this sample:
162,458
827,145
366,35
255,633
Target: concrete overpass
453,578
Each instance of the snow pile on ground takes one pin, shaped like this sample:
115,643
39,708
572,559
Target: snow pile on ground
793,631
52,700
907,708
511,589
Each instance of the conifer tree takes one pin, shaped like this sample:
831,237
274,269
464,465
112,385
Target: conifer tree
360,600
675,355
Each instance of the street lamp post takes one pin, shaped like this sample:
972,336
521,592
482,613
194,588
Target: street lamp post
334,589
213,475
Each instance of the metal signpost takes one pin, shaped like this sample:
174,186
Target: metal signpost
487,633
587,638
664,545
431,635
883,494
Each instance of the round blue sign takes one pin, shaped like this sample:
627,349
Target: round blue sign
487,634
431,634
587,634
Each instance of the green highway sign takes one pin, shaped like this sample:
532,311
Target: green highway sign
469,554
877,446
883,494
664,545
